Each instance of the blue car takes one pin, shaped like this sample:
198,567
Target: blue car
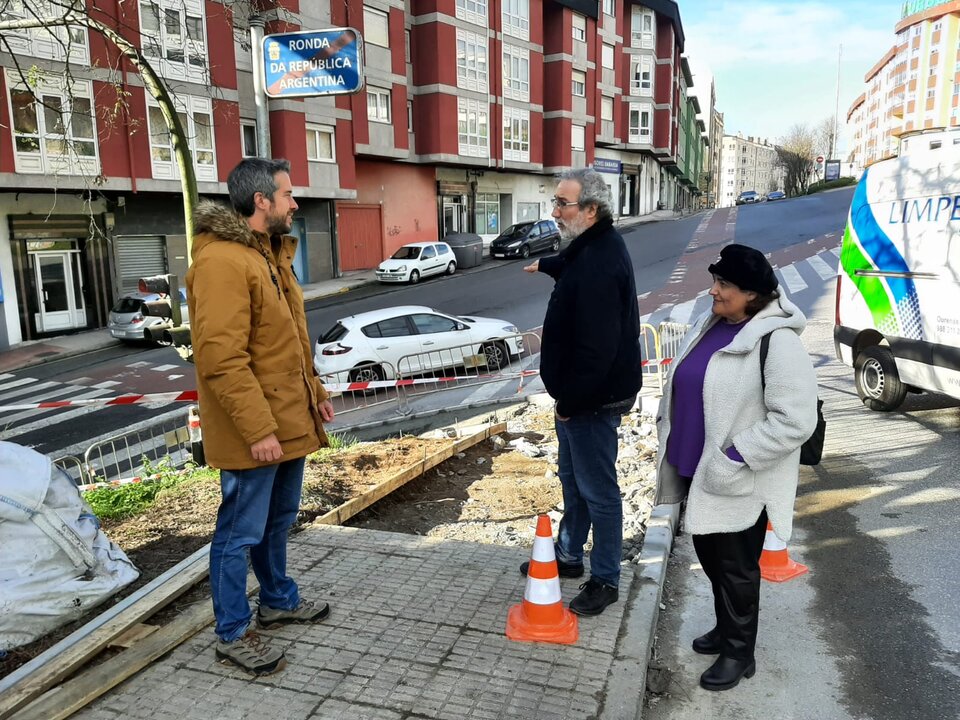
776,195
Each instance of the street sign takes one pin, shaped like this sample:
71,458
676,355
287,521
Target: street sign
819,159
313,63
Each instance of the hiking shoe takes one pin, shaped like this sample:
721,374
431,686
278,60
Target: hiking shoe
251,653
307,611
567,570
593,598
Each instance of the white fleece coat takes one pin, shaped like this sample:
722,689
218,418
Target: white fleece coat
767,428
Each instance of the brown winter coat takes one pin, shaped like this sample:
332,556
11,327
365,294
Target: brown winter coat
255,374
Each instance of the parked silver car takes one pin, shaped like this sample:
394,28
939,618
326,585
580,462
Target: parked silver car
129,317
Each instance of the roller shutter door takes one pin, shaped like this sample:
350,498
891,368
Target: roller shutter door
138,257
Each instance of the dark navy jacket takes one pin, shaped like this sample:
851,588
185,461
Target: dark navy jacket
590,351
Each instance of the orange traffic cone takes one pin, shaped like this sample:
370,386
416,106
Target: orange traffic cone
775,563
541,617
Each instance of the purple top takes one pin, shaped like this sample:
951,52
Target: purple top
685,442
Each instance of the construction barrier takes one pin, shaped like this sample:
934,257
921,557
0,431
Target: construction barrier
361,387
775,562
123,456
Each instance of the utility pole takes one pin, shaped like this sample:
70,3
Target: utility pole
836,109
259,92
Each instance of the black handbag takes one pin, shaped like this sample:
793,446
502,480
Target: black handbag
812,449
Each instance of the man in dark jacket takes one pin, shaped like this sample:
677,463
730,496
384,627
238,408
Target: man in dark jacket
590,364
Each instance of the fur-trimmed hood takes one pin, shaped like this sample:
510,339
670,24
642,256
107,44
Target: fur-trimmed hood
213,221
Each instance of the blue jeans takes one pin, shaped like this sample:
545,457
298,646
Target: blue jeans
257,509
591,496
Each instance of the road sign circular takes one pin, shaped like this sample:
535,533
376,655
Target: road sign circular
819,158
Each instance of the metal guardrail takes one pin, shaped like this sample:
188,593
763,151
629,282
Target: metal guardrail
123,456
72,466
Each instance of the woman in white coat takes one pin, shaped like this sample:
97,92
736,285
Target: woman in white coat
732,448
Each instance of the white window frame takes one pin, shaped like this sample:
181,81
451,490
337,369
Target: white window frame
578,83
473,127
579,27
376,26
606,102
516,18
607,52
610,7
516,72
248,125
578,138
172,49
314,133
407,51
34,151
162,159
381,104
472,65
640,66
516,134
637,132
643,28
474,11
52,43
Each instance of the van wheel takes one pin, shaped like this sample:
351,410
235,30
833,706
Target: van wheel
878,383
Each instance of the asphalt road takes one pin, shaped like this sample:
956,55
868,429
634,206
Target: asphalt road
499,289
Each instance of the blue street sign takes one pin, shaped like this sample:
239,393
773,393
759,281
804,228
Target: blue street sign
313,62
606,165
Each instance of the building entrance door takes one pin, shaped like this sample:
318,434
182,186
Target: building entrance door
59,298
454,214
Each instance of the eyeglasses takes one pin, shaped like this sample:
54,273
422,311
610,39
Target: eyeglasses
558,203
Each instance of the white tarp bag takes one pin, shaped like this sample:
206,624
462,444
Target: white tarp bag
55,563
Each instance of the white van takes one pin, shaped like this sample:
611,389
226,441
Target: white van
898,284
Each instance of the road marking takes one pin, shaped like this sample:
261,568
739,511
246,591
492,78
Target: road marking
164,368
836,252
22,390
140,363
16,383
106,384
47,421
683,312
174,377
822,268
791,276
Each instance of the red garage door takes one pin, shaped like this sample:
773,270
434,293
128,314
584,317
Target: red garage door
360,237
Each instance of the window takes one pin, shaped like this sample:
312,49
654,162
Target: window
376,27
579,27
320,144
249,136
53,43
173,37
606,108
473,131
609,8
487,214
516,18
196,116
606,56
579,83
474,11
643,28
429,252
931,93
57,134
516,134
516,72
640,121
577,137
641,76
471,61
409,115
394,327
430,324
378,105
406,47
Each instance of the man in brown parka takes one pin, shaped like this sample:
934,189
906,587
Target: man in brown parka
262,404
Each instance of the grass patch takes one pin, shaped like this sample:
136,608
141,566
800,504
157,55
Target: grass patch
124,501
821,185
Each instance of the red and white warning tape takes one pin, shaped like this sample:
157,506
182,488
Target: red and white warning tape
649,363
191,395
126,481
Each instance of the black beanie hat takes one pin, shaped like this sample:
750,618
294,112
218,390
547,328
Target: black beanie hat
746,268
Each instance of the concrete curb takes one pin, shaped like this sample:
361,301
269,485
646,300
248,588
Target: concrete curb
639,629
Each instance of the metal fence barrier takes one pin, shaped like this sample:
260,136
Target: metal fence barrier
122,457
352,400
72,466
650,356
511,358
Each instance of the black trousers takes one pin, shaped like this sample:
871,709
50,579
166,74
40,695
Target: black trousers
731,562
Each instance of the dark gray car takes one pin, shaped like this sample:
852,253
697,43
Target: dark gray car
524,238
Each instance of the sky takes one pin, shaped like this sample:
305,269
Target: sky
775,63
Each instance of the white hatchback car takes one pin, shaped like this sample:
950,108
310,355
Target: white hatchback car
416,260
410,340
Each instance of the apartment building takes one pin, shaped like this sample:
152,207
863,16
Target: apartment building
468,110
747,164
714,152
915,84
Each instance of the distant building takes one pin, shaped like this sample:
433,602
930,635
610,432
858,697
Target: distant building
748,164
914,85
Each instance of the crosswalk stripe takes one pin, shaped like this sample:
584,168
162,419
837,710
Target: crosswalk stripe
821,267
26,389
791,276
16,383
48,421
836,252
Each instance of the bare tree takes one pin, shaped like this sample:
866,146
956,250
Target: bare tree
69,14
796,153
824,136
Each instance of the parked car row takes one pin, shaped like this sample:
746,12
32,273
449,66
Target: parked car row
748,197
129,318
